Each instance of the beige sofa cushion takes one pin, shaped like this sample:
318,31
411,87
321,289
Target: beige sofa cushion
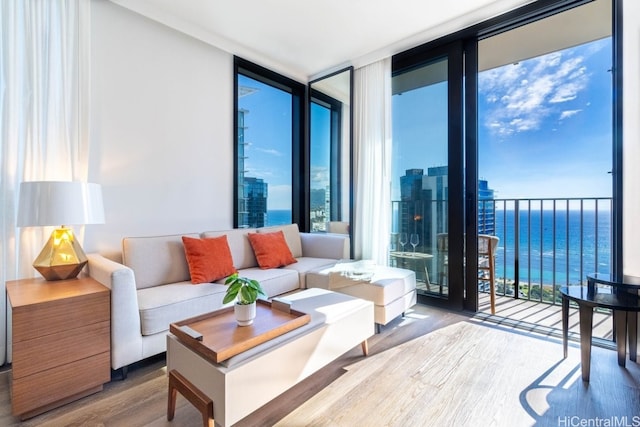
291,235
241,251
306,264
274,281
162,305
156,260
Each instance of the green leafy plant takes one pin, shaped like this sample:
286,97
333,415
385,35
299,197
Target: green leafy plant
245,290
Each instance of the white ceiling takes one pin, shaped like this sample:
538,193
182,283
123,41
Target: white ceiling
308,38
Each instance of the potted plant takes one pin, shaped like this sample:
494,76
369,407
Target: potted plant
245,291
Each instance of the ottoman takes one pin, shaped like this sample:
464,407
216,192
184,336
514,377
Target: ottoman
392,290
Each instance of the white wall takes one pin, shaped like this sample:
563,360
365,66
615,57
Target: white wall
631,135
161,129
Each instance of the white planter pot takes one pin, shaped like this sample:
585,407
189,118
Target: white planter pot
245,313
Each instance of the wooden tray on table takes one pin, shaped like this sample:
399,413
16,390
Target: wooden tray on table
217,336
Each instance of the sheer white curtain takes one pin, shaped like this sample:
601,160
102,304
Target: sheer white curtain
44,94
372,161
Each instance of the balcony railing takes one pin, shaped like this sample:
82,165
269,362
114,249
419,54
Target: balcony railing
544,243
548,243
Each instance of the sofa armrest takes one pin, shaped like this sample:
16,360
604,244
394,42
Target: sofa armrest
126,338
325,245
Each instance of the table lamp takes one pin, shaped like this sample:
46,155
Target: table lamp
60,204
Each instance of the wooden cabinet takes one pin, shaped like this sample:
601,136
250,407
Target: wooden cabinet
61,342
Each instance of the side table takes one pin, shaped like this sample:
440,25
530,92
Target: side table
628,284
587,298
61,342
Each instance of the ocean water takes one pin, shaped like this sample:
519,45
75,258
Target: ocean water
555,247
278,217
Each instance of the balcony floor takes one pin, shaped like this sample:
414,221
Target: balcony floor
546,318
541,317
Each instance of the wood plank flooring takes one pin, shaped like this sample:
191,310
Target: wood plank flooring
432,368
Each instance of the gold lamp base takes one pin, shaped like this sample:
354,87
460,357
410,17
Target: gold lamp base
62,257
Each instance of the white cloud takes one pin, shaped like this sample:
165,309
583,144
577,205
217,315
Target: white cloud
569,91
523,124
521,96
271,151
568,113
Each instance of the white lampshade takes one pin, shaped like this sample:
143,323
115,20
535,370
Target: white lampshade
44,203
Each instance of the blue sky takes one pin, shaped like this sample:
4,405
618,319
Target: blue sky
545,124
320,145
419,131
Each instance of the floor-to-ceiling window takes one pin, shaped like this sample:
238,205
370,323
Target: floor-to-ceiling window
269,135
419,189
545,150
427,213
330,152
324,171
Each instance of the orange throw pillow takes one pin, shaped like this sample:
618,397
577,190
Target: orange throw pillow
209,259
271,249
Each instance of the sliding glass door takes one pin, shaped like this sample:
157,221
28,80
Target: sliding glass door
545,145
427,165
510,108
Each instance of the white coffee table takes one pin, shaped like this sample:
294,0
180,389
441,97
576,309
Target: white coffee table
245,382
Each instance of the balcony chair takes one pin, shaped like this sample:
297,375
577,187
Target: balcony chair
487,246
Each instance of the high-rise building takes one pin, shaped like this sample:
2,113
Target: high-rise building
243,219
411,184
256,201
424,205
486,208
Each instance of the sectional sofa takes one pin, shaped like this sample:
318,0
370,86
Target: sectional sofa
152,287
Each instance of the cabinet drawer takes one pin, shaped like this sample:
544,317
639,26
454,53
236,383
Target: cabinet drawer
49,351
45,388
60,315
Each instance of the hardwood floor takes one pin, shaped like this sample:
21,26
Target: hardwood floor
432,368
